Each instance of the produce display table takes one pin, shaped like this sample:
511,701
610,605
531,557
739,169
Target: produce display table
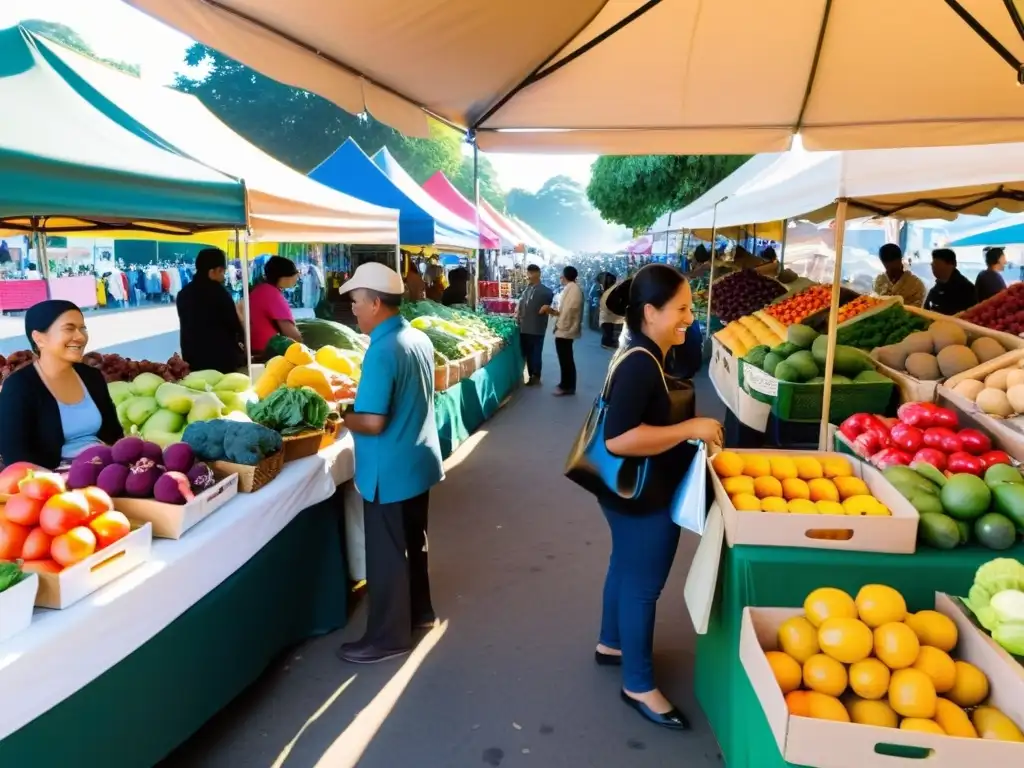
162,649
782,577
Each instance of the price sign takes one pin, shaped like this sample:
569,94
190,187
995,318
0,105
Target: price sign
759,381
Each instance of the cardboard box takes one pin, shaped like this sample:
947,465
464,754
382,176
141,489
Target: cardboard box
895,533
16,606
60,590
170,521
722,369
828,744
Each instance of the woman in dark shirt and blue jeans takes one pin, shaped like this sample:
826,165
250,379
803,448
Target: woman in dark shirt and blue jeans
638,423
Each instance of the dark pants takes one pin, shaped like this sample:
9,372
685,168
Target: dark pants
532,346
610,334
568,365
643,547
396,571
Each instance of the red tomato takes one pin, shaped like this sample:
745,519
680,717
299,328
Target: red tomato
98,499
109,527
74,546
41,485
37,545
41,566
14,474
22,510
63,512
12,539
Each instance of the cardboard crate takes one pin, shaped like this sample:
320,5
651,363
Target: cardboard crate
829,744
60,590
16,606
895,533
171,521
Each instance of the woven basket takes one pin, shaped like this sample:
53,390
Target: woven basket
250,478
303,445
332,428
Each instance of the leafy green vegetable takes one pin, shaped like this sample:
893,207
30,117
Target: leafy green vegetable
10,574
290,411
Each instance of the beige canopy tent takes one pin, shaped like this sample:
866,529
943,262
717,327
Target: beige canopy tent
642,76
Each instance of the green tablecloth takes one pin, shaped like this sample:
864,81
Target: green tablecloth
140,710
782,577
461,409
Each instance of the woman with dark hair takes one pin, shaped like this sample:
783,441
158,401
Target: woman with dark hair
611,322
638,423
269,313
57,407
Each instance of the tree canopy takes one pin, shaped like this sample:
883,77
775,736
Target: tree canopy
635,190
65,35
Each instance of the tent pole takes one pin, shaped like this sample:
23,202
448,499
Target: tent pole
782,245
833,322
476,212
711,274
246,320
398,258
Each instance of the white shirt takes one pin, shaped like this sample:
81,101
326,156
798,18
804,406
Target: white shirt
568,324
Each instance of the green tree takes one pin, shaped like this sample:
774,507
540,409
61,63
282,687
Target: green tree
490,187
65,35
561,212
635,190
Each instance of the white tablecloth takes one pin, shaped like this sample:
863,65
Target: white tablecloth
63,651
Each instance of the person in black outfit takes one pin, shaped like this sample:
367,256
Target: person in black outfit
58,405
990,281
457,291
952,293
638,423
211,333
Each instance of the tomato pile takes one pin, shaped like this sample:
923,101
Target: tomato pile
856,307
806,303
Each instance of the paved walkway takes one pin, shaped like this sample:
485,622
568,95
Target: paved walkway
517,561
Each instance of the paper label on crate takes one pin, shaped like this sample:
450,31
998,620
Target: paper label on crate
759,381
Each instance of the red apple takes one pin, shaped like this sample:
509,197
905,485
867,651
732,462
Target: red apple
41,485
63,512
37,545
109,527
12,539
74,546
22,510
99,500
14,474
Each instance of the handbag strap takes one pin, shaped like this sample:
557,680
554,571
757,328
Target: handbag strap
615,365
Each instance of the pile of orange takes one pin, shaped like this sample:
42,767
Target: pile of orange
796,484
868,661
801,306
855,307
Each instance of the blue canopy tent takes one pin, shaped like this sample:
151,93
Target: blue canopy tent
1008,230
421,221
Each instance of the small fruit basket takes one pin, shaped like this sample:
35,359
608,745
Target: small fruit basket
16,600
810,499
172,521
847,682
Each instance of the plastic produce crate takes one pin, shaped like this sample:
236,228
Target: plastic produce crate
802,402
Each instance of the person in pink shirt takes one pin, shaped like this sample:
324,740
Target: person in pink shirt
269,313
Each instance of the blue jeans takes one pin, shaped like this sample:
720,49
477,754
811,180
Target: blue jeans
643,547
532,346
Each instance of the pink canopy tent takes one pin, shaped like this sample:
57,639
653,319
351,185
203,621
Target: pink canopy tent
516,234
443,191
641,246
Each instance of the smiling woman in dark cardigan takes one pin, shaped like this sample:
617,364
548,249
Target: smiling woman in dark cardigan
57,407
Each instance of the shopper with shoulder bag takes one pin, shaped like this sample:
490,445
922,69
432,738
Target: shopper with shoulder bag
632,454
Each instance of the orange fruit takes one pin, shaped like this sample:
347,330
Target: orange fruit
822,489
802,507
767,486
793,488
934,629
825,675
829,508
738,484
746,502
869,679
850,486
798,638
786,669
727,464
755,465
878,604
828,602
921,724
896,645
836,467
953,719
911,693
938,666
970,687
869,712
783,467
774,504
797,703
845,640
824,707
808,468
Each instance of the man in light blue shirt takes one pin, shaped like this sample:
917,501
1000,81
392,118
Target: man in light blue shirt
398,459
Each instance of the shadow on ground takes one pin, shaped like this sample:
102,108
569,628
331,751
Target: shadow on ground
517,561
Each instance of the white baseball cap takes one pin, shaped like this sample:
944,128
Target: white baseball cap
375,277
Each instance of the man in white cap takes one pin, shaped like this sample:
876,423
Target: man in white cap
398,459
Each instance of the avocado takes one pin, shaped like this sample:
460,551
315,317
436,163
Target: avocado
995,531
786,372
801,335
816,380
820,349
850,361
926,501
771,361
870,377
929,472
966,497
785,349
998,474
1009,501
907,481
756,355
837,379
803,363
938,531
965,531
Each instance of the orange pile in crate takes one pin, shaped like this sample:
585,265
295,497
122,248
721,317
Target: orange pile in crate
806,303
871,662
856,307
795,484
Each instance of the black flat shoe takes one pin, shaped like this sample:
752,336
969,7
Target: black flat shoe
607,659
674,720
368,654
